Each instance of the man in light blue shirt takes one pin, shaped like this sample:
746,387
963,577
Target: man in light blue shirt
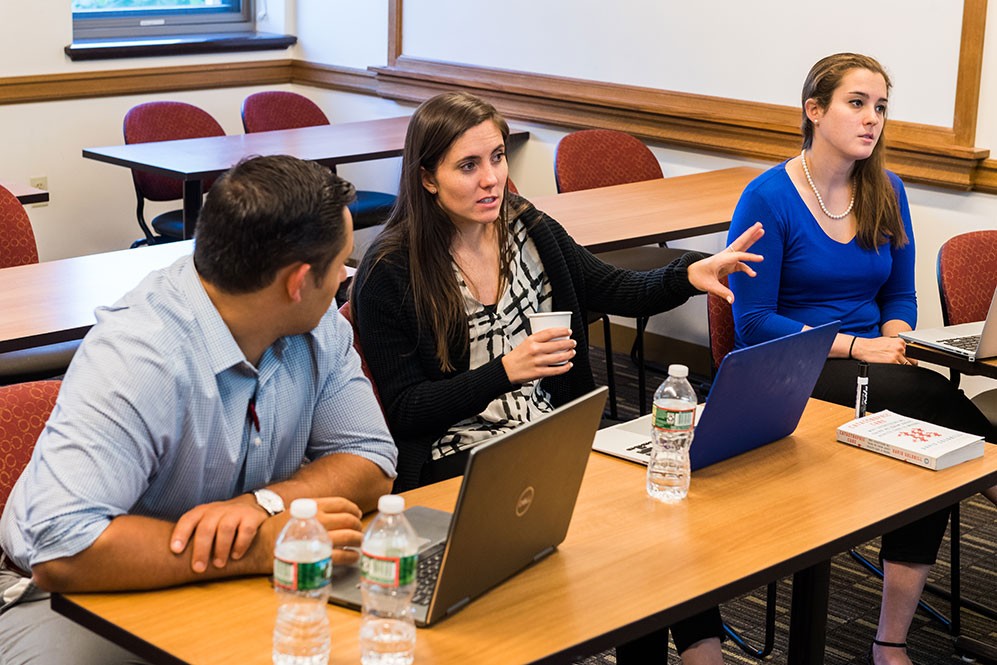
200,405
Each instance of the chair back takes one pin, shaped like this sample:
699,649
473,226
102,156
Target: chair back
967,276
593,158
512,186
24,409
347,313
17,239
721,323
166,121
277,109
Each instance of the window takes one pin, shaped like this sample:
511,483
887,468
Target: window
104,19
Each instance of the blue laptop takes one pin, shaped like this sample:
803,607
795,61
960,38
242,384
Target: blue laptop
758,397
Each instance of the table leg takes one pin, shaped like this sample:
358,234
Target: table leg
192,195
808,616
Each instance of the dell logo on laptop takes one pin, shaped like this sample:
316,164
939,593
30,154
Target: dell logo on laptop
524,501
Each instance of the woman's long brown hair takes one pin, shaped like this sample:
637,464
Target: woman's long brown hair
877,213
420,228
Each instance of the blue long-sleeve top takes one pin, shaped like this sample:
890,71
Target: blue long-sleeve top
807,278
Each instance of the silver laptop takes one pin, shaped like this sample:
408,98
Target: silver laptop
514,507
973,341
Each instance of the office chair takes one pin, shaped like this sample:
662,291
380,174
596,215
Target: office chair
17,248
967,279
275,109
24,409
593,158
720,318
164,121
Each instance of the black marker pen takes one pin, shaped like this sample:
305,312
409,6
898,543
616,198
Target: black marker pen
862,389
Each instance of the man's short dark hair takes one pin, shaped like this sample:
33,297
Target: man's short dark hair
266,213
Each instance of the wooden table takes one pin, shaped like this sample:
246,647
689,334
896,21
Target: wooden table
25,194
628,566
194,160
986,367
653,211
50,302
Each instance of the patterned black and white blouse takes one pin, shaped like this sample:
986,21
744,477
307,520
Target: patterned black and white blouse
495,330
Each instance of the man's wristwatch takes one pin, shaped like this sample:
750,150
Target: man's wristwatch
269,501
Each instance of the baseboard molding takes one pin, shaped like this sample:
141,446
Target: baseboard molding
658,349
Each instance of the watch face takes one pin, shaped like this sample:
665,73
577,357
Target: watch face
270,501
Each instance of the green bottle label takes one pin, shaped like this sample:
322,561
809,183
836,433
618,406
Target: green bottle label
295,576
388,571
674,421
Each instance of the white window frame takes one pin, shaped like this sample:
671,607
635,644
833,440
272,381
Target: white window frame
155,23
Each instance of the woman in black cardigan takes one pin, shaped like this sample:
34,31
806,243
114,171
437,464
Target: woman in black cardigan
440,301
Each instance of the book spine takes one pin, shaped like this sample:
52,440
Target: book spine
895,452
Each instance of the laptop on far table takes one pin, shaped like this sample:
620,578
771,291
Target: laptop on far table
757,397
514,507
973,341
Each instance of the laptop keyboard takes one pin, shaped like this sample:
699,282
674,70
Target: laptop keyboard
428,571
967,343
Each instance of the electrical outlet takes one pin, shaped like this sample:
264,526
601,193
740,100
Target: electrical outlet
39,182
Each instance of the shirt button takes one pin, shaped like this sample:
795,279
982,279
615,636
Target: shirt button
258,441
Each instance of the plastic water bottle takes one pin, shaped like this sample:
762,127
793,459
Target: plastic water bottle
302,572
672,420
388,561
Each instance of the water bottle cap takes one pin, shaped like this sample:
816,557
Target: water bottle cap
678,371
391,504
303,509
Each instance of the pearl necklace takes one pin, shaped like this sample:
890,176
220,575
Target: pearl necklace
820,201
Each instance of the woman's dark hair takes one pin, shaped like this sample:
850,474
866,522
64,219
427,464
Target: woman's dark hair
877,212
419,227
266,213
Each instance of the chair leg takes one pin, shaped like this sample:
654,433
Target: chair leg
610,369
769,644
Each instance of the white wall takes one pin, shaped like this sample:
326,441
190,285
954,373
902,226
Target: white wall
92,206
724,57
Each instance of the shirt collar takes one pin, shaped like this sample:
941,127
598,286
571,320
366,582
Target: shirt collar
222,350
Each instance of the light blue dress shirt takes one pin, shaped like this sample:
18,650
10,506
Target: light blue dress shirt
153,418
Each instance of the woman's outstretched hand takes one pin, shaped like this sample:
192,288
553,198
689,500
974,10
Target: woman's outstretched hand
706,274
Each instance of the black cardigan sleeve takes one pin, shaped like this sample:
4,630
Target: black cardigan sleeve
605,288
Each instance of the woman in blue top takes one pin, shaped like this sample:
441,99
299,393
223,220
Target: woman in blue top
839,245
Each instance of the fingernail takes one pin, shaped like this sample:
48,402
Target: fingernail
219,563
200,566
730,300
177,546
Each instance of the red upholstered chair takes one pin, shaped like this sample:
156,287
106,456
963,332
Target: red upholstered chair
274,109
277,109
347,314
164,121
17,248
721,324
24,409
593,158
17,239
967,278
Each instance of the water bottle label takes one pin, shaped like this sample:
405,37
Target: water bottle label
296,576
673,421
388,571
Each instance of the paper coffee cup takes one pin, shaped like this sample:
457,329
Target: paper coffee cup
543,320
